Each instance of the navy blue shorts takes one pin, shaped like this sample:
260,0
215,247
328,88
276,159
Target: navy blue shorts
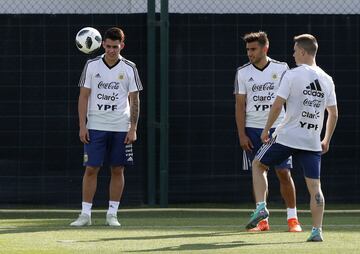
107,145
273,153
254,135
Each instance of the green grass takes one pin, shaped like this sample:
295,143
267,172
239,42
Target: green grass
171,231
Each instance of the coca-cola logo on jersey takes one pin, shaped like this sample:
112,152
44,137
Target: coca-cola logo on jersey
111,85
312,103
264,87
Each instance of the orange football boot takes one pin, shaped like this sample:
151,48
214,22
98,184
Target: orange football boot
294,225
261,226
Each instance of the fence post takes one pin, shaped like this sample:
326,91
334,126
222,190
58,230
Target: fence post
151,104
164,102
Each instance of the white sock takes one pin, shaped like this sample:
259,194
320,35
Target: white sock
86,208
260,203
291,213
113,207
314,228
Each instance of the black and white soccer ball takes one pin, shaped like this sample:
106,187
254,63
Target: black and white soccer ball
88,40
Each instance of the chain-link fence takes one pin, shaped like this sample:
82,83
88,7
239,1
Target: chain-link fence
265,6
183,6
74,7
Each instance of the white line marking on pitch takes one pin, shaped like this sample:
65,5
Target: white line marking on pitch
232,226
164,210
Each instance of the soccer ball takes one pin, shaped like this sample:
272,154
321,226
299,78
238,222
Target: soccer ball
88,40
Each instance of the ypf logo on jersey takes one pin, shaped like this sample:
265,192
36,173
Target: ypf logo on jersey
314,89
309,126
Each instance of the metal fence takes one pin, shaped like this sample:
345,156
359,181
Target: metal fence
181,6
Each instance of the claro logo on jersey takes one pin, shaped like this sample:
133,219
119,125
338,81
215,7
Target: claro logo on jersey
107,97
264,98
314,89
312,115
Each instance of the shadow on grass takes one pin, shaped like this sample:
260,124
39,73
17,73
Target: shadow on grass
197,246
163,237
210,246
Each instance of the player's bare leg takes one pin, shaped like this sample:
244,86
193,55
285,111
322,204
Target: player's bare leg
264,224
288,192
317,201
116,188
260,183
287,187
317,205
117,183
89,189
89,183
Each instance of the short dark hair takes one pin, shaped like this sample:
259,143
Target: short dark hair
114,34
307,42
260,37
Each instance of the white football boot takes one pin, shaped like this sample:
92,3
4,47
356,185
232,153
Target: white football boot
82,220
111,220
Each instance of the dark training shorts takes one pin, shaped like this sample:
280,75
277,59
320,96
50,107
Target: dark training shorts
254,135
107,145
272,153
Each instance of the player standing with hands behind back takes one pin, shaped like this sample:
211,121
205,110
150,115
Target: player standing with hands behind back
256,84
108,108
307,91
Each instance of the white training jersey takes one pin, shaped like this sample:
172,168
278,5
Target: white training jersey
260,87
108,106
308,91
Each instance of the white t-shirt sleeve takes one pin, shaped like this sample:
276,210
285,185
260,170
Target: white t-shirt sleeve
85,79
87,82
331,100
240,87
284,86
134,80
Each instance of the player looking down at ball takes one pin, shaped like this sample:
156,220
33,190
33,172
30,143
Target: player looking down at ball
108,109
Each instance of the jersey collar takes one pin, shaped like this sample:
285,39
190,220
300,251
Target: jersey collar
262,69
117,62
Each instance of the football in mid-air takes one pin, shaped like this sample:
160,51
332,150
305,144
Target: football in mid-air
88,40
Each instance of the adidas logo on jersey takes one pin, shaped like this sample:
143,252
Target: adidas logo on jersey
314,89
97,75
250,79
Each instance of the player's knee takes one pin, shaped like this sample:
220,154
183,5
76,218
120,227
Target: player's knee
91,171
314,186
257,165
284,175
117,171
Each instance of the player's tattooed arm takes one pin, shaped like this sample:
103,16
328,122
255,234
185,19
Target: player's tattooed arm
134,109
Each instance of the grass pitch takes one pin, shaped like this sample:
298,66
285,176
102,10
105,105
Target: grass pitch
177,230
